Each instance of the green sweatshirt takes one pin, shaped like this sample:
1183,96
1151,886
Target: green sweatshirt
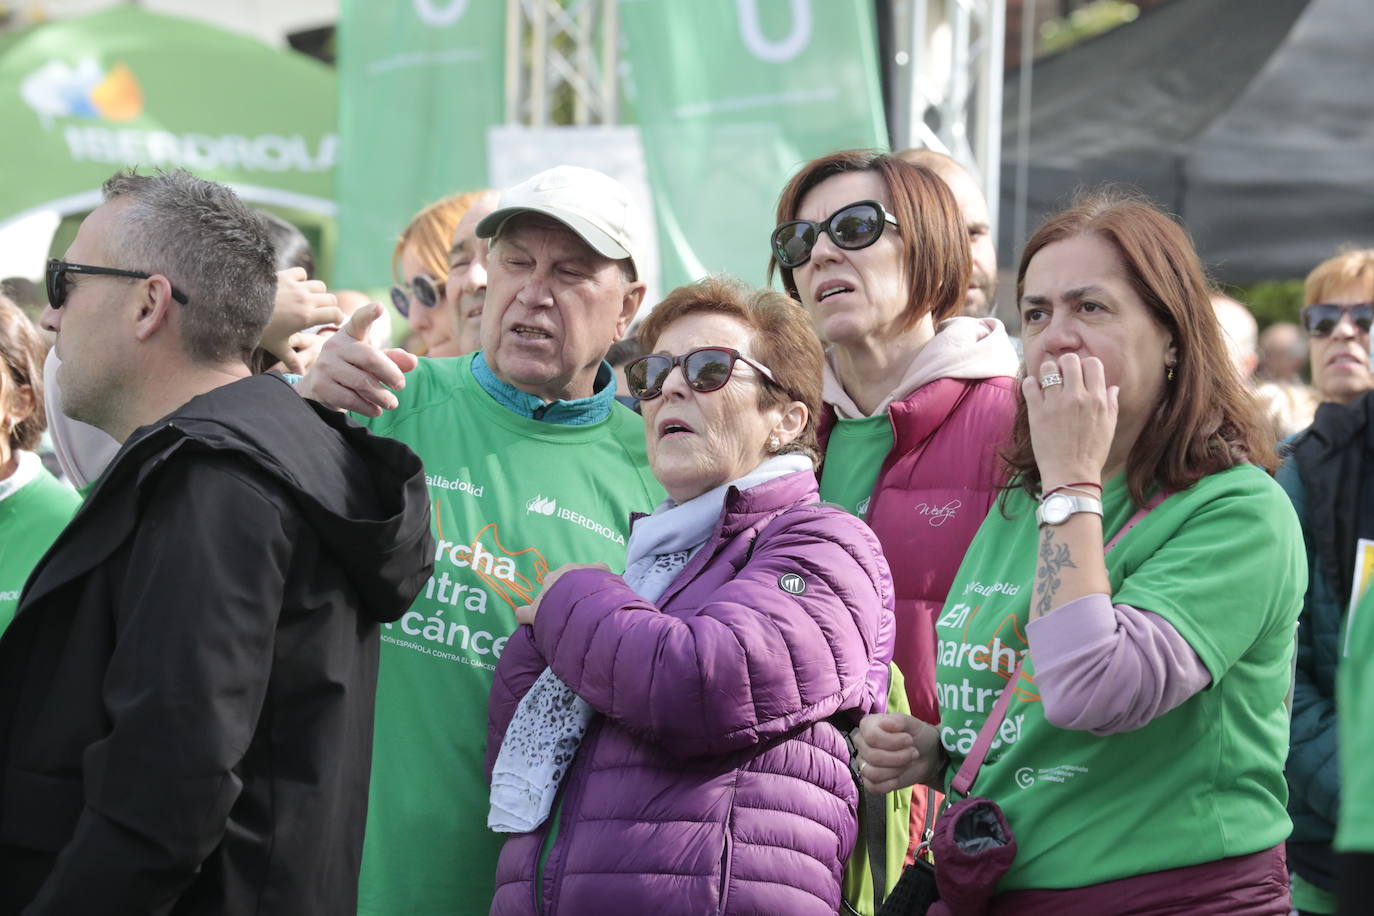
853,457
31,518
513,499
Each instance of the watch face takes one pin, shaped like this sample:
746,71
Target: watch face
1056,509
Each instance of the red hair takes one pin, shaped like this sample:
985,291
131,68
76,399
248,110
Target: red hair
1207,421
935,249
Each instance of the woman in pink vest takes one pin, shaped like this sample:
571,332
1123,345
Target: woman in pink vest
918,401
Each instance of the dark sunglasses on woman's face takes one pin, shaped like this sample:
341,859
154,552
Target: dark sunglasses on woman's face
425,290
1321,320
851,227
705,368
59,285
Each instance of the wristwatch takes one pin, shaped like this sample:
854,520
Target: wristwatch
1056,508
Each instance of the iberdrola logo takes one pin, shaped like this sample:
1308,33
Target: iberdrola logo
59,90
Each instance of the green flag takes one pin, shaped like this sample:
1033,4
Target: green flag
732,96
419,84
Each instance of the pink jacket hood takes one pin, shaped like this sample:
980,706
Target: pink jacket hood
962,348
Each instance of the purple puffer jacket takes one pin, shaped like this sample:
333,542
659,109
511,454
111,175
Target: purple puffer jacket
710,782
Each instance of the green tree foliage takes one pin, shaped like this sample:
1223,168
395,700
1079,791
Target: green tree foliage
1087,21
1270,301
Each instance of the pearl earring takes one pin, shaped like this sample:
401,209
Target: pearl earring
773,444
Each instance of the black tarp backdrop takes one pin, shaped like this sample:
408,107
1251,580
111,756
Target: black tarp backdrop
1253,120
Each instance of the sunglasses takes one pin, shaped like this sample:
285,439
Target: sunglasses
425,291
1321,320
705,368
855,226
59,284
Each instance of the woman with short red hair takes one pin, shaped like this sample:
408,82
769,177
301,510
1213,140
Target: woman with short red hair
918,399
664,741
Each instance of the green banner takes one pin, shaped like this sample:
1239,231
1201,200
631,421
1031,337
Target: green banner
420,82
732,96
82,97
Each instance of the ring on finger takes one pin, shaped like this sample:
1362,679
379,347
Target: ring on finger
1050,379
862,764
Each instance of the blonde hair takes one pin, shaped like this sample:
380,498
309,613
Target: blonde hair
430,232
1352,267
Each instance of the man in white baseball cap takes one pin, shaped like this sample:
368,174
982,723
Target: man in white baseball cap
594,206
531,464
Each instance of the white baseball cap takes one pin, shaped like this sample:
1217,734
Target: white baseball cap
593,205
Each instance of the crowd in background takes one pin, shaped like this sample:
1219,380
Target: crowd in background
1106,569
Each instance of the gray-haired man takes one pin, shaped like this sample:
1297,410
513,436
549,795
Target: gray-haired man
186,690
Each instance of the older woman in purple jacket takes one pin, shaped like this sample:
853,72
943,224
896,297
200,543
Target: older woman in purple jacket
659,741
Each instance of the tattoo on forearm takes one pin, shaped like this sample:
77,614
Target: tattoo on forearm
1054,557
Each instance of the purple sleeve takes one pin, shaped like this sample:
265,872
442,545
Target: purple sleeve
749,662
1107,669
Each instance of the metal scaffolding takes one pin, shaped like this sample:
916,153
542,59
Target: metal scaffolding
947,87
945,59
561,62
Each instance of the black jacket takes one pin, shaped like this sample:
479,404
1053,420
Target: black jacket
1333,463
187,689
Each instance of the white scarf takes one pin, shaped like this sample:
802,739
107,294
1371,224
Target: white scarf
549,723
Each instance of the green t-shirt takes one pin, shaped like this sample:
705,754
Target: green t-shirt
513,498
31,518
853,457
1355,709
1222,562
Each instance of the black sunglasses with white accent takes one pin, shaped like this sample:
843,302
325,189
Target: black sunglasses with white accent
705,368
851,227
1320,320
426,291
59,285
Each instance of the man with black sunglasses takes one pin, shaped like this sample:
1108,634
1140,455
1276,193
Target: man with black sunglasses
531,464
187,688
302,308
